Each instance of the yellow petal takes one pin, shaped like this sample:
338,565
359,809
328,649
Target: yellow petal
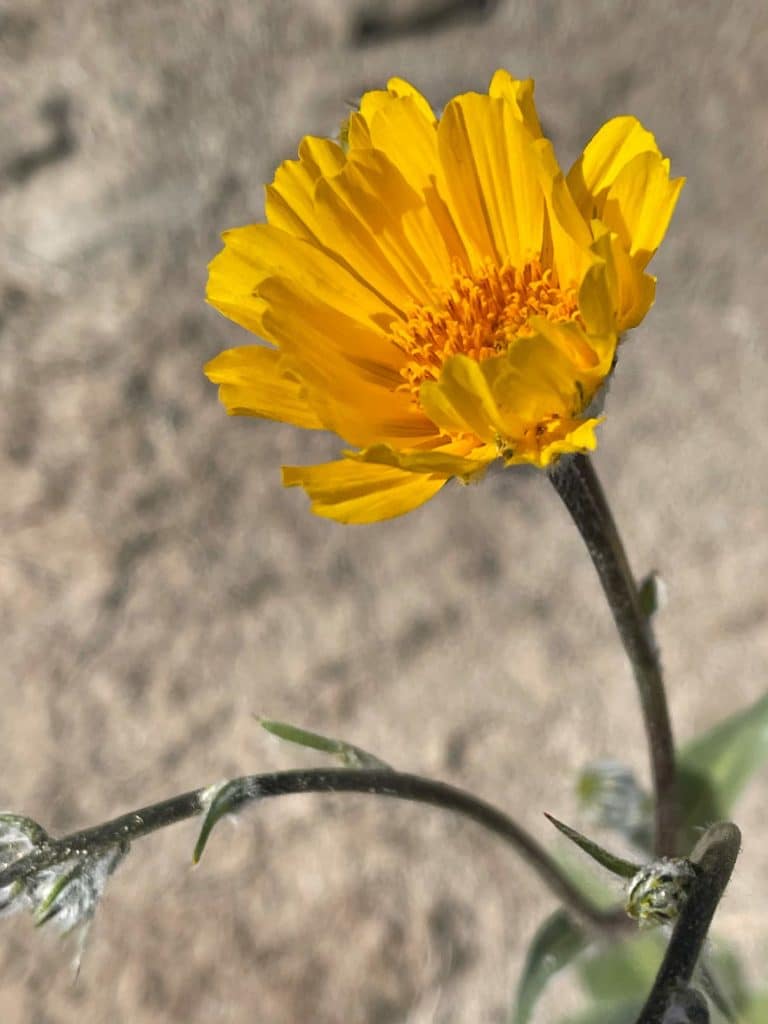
252,383
567,437
355,396
231,290
631,288
400,130
290,197
540,395
610,149
254,254
536,380
639,204
357,132
597,300
360,492
399,88
327,326
409,140
353,207
519,93
589,356
499,399
377,100
462,399
370,216
490,179
568,233
444,460
623,180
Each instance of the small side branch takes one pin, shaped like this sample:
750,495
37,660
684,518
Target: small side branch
403,786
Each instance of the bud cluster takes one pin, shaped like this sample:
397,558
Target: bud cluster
67,884
658,891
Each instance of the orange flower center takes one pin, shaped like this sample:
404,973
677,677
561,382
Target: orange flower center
479,316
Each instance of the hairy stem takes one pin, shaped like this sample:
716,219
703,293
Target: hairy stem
577,484
323,780
715,855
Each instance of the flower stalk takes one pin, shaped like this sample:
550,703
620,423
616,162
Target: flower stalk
576,481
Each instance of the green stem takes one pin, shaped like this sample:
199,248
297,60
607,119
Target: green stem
576,482
323,780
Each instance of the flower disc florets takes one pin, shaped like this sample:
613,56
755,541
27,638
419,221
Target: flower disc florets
437,293
480,316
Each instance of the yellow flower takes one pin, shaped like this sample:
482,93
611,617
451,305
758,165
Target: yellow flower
437,293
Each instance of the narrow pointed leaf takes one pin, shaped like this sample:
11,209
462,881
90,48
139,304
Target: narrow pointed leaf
349,755
50,905
616,865
715,767
556,943
9,895
228,797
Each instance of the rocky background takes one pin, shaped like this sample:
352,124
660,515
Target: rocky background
159,588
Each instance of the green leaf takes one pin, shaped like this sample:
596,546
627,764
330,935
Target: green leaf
652,594
349,755
714,768
623,1012
556,943
720,976
757,1011
51,904
624,970
9,895
13,826
611,798
223,799
618,978
616,865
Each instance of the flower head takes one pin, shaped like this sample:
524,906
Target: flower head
436,292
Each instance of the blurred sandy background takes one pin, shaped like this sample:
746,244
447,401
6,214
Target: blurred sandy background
158,587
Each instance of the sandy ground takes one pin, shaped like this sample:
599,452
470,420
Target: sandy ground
158,587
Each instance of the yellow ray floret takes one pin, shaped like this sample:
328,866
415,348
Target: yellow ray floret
436,292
